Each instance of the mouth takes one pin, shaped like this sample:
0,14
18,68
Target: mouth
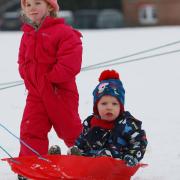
33,13
109,114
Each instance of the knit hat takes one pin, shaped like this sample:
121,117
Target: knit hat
109,84
53,3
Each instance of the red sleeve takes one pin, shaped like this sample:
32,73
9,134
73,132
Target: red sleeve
21,57
69,57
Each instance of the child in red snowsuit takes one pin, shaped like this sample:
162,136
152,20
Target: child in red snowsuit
50,57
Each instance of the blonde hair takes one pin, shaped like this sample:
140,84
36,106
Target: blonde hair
53,14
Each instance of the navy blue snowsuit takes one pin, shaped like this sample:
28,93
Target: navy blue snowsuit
125,138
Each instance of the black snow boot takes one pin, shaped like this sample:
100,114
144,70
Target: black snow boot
55,149
75,151
21,177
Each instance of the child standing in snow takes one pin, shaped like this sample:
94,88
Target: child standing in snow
50,57
111,131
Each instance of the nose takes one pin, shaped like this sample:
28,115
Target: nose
32,8
109,106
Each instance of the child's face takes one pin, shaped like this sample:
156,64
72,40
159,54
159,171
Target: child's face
108,108
36,10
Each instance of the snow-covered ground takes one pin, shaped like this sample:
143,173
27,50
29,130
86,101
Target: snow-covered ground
152,92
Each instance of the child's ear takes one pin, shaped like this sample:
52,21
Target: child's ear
50,8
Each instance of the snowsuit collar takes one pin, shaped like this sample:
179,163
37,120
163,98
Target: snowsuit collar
47,22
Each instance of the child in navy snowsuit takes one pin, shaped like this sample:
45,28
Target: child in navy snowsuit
111,131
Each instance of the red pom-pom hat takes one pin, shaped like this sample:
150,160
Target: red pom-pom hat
108,74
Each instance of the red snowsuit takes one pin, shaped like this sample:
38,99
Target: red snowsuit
49,60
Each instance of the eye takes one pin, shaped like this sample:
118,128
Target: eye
115,104
38,2
104,103
28,5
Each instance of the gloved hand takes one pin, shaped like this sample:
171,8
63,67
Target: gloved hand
130,160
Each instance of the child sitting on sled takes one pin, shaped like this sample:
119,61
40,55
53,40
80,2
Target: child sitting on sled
111,131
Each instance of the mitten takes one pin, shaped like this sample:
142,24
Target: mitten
130,160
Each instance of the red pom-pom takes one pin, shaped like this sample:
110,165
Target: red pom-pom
108,74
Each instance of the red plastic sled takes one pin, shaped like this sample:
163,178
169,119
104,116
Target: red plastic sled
72,167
